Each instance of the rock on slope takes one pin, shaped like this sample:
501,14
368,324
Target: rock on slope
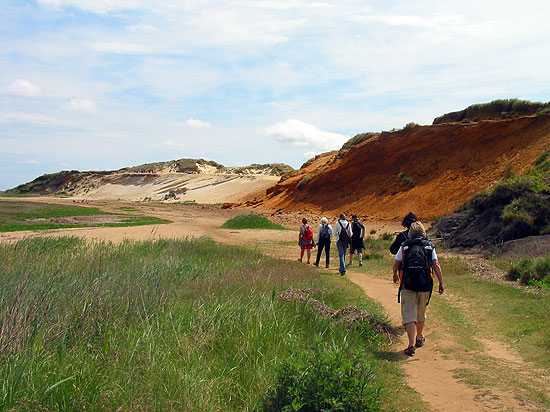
428,169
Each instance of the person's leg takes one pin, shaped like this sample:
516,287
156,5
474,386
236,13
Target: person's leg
302,250
360,255
411,329
421,300
408,313
419,329
341,256
327,253
320,246
308,255
350,256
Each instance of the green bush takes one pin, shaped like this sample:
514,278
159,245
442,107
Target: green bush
251,221
325,379
405,178
542,158
534,272
386,236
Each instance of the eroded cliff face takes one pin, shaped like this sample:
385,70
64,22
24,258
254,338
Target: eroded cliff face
447,164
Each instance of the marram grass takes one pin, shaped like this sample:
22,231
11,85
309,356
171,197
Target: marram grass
167,325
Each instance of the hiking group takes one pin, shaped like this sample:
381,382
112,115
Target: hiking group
346,235
414,265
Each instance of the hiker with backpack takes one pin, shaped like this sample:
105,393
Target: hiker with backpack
401,237
324,235
357,240
305,240
342,234
412,269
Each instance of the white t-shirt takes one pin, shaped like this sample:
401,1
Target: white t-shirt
399,256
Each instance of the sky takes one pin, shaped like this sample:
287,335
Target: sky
105,84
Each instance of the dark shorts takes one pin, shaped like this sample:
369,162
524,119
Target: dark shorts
357,245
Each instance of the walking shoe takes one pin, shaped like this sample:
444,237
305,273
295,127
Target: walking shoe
409,351
349,264
316,265
420,342
326,266
360,263
342,273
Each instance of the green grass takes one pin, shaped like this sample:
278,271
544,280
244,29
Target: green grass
251,221
168,325
17,216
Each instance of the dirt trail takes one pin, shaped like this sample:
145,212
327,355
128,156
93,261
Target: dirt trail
430,372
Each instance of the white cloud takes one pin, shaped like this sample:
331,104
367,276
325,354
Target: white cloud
197,124
22,88
31,118
28,162
119,47
83,105
141,27
171,143
306,136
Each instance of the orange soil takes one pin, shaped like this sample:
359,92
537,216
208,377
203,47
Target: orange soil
448,163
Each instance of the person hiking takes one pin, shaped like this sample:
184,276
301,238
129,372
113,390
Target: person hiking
357,240
417,258
342,234
324,236
401,237
305,240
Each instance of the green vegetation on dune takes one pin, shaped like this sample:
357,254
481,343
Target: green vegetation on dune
178,325
251,221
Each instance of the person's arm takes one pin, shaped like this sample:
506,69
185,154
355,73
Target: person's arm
394,248
319,233
439,274
397,265
300,234
362,231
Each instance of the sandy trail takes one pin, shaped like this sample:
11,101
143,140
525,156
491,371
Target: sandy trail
430,372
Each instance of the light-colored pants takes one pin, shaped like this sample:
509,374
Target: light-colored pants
413,305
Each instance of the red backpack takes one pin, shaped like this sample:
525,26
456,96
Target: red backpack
307,235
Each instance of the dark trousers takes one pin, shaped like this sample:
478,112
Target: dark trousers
323,244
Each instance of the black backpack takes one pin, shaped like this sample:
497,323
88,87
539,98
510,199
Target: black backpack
344,236
417,265
356,229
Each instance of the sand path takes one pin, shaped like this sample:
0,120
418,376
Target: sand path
430,372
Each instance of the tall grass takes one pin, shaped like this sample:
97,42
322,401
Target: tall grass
166,325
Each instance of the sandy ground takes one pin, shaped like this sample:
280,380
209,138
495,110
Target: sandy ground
201,188
430,373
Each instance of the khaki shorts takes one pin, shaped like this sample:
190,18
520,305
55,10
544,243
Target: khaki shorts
413,305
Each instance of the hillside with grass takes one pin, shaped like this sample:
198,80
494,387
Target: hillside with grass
497,109
429,169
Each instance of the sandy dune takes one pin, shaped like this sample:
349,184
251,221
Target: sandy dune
201,188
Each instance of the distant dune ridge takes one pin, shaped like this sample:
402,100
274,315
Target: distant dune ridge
196,180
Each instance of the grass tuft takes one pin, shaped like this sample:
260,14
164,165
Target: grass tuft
251,221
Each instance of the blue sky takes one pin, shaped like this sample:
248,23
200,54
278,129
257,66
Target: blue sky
104,84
